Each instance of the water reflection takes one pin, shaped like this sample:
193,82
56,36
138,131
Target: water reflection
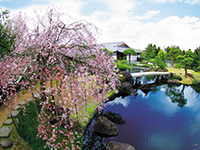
115,117
176,94
166,117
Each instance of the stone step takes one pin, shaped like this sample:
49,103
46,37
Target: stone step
8,122
18,107
22,103
6,143
5,131
14,113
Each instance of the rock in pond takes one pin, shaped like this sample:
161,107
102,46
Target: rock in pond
114,145
6,143
5,131
105,127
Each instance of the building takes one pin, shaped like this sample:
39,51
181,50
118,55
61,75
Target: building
118,48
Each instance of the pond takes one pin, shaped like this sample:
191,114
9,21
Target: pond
166,117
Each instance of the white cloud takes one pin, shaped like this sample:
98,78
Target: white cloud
165,1
119,23
120,5
6,0
184,32
149,14
191,2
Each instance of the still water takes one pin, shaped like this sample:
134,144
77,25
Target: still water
164,118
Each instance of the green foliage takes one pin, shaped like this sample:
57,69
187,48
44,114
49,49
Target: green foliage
185,61
107,51
123,64
129,51
198,69
161,54
177,77
6,39
194,81
158,63
197,58
151,51
28,125
173,53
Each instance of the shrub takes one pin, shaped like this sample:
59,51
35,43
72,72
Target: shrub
123,64
177,77
28,128
198,69
28,125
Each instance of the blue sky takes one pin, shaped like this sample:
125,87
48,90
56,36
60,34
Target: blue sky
136,22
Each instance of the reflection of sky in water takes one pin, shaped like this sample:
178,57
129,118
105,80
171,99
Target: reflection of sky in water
154,122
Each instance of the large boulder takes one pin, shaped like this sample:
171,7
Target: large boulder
114,145
128,77
127,87
105,127
170,75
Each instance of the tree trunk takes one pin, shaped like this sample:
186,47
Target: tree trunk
185,72
129,58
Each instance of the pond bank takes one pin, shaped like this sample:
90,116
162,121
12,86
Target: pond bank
186,80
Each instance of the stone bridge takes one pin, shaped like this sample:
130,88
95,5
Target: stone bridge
140,74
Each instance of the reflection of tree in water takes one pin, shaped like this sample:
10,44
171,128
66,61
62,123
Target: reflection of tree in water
114,117
196,88
176,95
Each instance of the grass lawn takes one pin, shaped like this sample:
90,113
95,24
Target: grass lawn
181,72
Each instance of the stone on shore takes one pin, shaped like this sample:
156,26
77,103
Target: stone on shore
105,127
128,77
5,131
6,143
114,145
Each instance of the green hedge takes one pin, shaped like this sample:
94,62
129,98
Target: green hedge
123,64
28,126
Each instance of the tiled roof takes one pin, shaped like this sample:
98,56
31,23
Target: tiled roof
117,46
